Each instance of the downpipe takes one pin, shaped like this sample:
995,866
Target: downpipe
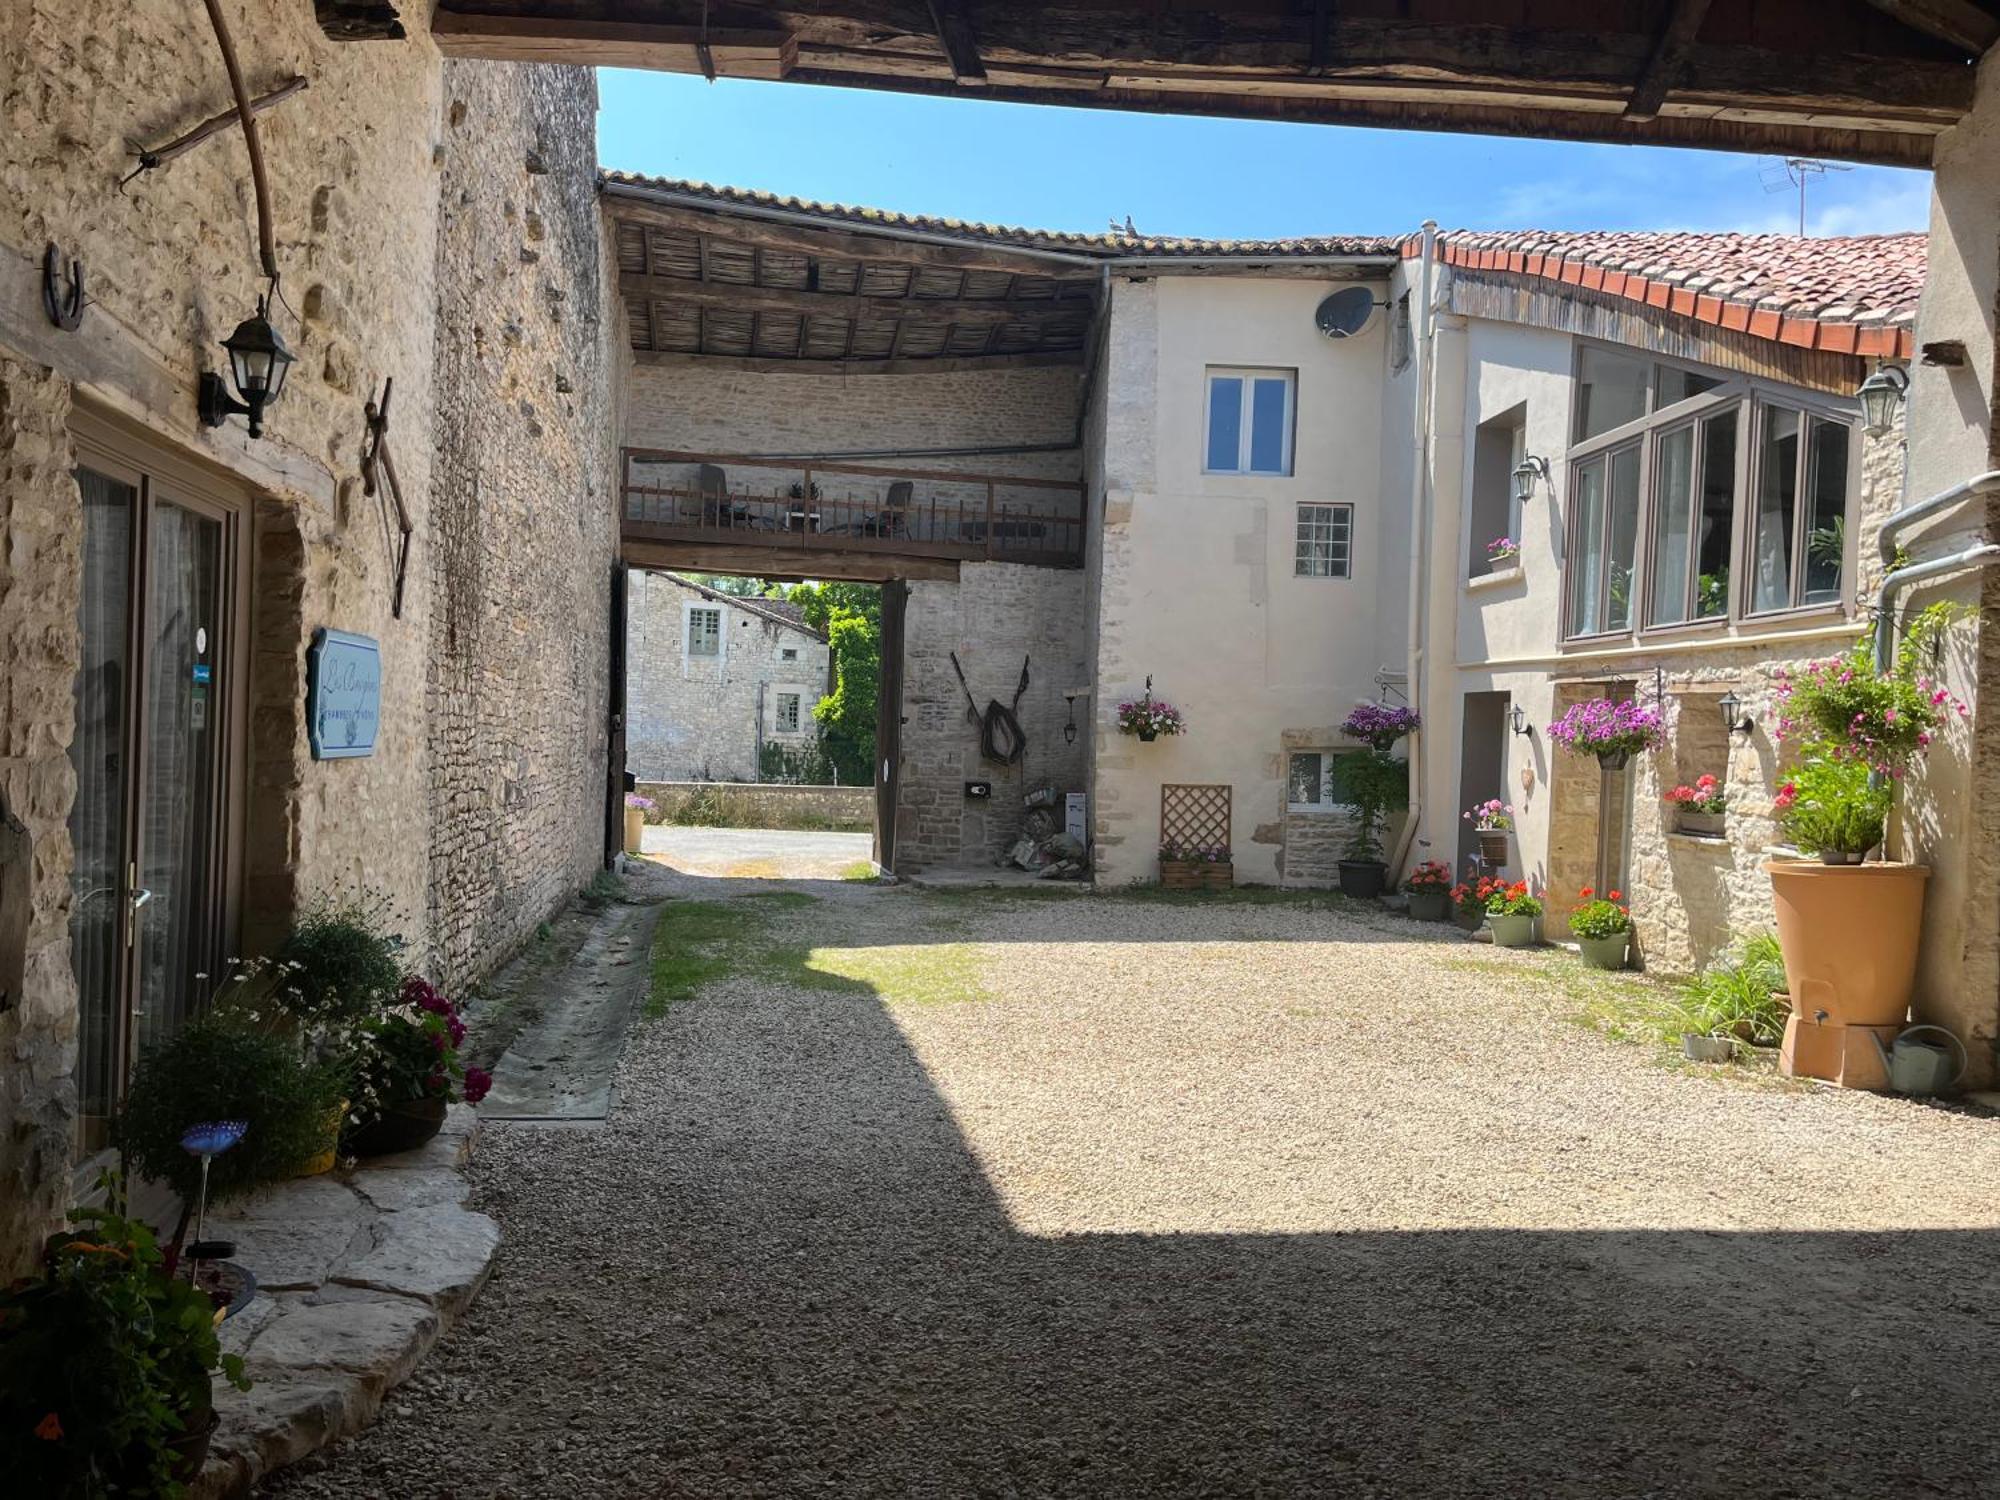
1420,298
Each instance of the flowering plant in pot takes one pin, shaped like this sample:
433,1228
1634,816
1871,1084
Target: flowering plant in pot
106,1365
1512,914
1502,550
1850,930
1429,889
409,1072
1602,927
1468,901
1612,729
1492,820
1149,718
1195,867
1699,808
1379,726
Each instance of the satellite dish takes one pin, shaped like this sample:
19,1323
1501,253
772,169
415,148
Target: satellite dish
1345,313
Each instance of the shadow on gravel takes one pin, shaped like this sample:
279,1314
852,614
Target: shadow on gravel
815,1291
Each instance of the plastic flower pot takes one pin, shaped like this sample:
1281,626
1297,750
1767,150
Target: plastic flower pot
1705,825
1850,935
1363,878
1614,760
1149,735
1511,930
400,1127
1708,1049
1430,906
1605,952
1469,921
322,1163
635,829
1493,846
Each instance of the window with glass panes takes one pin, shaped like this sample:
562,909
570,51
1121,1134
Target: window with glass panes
1325,541
1696,497
704,632
1316,780
1249,428
788,713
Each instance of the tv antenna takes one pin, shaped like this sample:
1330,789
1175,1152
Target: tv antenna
1785,173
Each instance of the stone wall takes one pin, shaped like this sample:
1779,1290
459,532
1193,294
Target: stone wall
358,163
705,718
996,615
523,531
771,805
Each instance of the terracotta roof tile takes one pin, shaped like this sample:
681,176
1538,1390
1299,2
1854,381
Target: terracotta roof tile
1799,290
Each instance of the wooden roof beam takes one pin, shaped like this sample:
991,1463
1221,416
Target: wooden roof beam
740,52
1958,22
1664,69
909,364
743,298
960,41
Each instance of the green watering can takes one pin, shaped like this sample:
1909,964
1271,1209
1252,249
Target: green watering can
1919,1068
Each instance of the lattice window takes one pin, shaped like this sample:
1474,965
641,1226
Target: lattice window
1194,814
788,713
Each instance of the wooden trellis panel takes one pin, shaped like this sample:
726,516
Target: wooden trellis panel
1194,813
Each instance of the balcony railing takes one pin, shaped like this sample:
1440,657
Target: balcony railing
723,498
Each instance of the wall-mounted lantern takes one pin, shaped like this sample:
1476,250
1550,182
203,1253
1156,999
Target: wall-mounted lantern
1734,720
258,362
1519,715
1526,472
1881,397
1069,728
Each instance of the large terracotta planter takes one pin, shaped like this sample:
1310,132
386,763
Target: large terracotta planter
1850,935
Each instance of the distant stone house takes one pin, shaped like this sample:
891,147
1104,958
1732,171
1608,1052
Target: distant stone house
715,678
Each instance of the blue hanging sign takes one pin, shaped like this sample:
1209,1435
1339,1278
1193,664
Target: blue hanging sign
343,694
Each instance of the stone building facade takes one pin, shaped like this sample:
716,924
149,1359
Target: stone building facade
434,226
712,679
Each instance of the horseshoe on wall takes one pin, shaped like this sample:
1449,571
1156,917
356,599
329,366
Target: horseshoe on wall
62,297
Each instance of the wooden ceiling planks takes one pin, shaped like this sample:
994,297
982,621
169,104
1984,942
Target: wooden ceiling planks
712,286
1871,80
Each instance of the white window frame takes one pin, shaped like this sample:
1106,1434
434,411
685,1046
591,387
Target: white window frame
778,697
688,653
1343,514
1245,432
1325,805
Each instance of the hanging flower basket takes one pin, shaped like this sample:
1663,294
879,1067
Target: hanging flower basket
1380,725
1611,729
1149,718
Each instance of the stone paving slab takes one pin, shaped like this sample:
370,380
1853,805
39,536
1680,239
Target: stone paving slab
358,1272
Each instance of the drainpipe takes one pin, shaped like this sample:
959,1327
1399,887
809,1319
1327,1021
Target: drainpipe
1900,521
1420,301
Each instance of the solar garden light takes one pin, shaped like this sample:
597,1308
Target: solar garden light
208,1141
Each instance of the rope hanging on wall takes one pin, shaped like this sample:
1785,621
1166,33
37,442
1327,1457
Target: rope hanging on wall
1002,740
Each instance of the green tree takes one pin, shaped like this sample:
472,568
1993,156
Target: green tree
847,716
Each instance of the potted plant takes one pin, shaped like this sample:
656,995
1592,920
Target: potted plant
1149,718
636,808
1501,551
1738,998
1379,725
1492,821
1611,729
1429,889
221,1067
1468,903
1698,809
1850,930
1602,927
1195,867
1512,915
1377,782
410,1072
106,1366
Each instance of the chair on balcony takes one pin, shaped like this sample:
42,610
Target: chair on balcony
894,517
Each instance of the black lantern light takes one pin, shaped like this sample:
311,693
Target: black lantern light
1069,729
1526,472
1734,720
258,362
1881,397
1521,725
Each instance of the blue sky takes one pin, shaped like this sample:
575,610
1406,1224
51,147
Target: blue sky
1076,169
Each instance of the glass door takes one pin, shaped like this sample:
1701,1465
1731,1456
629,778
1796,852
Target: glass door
149,824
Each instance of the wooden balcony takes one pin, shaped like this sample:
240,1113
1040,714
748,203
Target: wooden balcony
779,518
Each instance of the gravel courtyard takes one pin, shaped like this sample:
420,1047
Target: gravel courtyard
962,1195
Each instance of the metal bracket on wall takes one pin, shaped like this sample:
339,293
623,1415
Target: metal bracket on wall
375,457
62,297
